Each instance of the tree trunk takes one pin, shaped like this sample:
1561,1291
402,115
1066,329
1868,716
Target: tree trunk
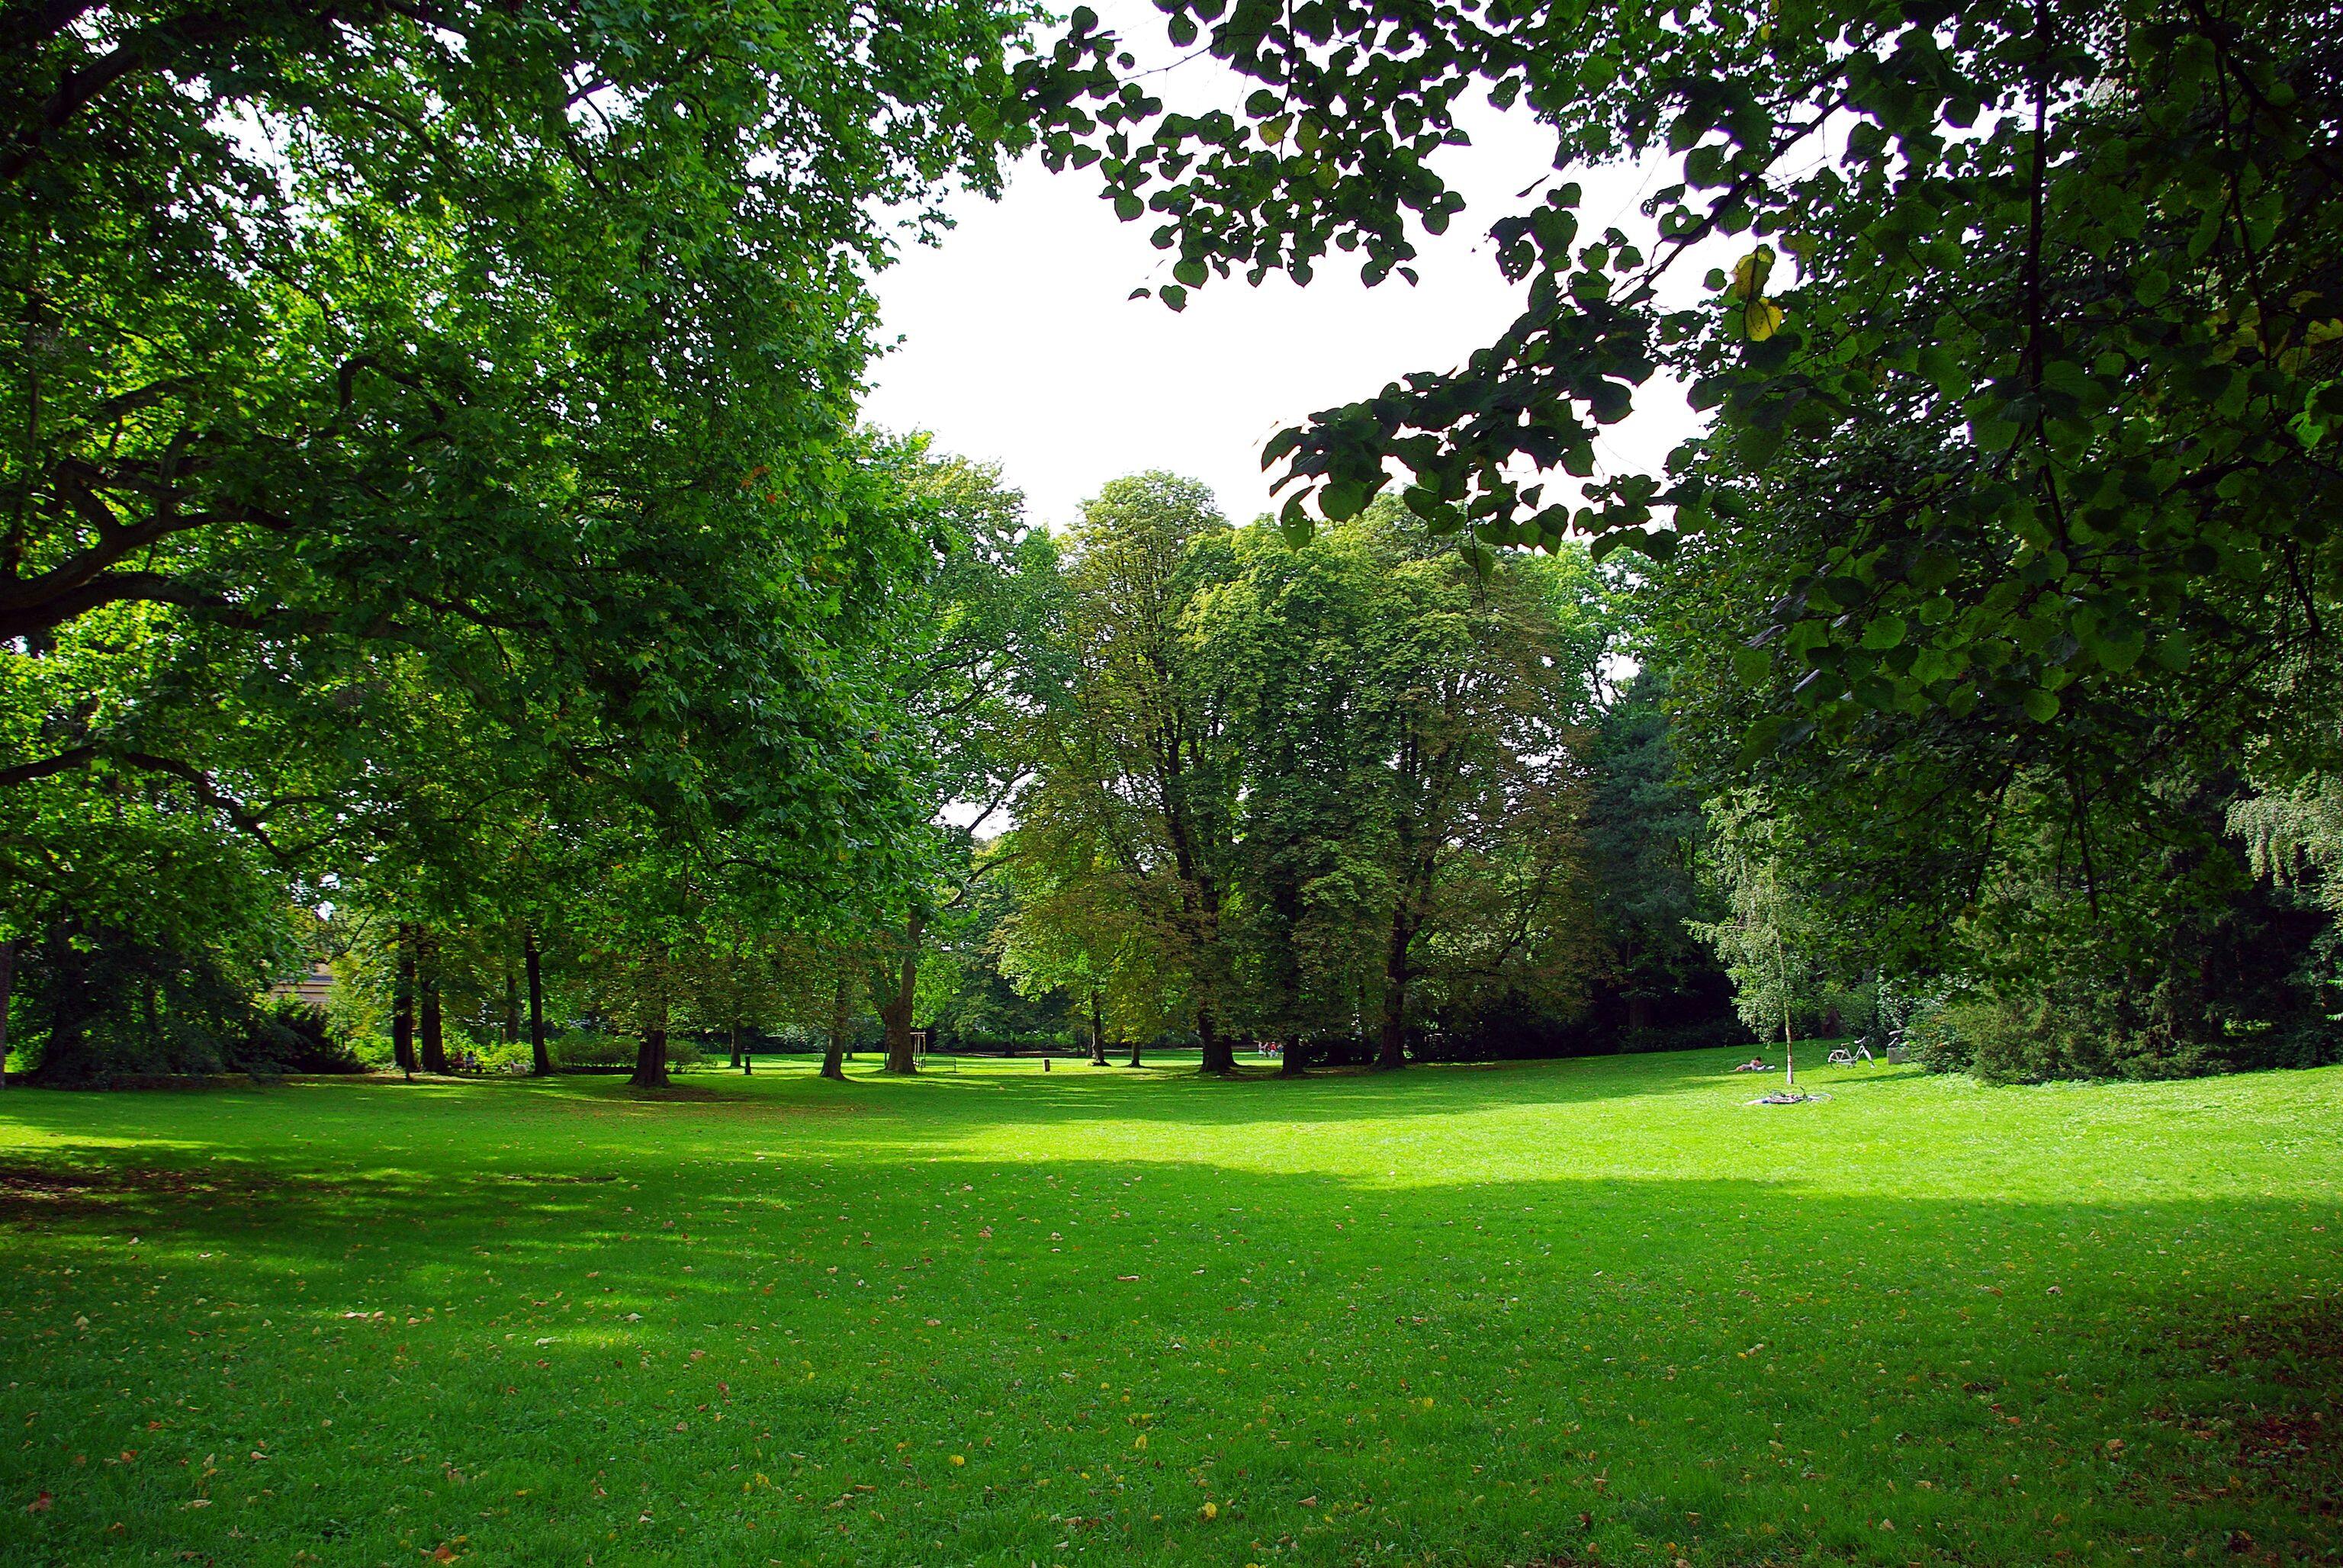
651,1054
1294,1060
1391,1043
833,1060
1098,1034
435,1040
735,1060
1391,1048
402,1001
65,1056
7,983
1220,1054
650,1061
1134,1051
540,1060
896,1012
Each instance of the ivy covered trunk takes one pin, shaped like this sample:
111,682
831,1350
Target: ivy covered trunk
402,1002
540,1060
434,1038
1391,1046
895,1011
8,984
1219,1055
842,1013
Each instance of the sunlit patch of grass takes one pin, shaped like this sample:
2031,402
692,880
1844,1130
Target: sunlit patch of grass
1585,1311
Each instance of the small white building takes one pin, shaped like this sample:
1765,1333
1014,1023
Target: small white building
313,987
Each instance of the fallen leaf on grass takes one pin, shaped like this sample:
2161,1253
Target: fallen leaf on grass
41,1504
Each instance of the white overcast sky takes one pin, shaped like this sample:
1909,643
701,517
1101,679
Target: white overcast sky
1020,344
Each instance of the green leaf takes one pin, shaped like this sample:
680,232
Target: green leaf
1342,501
1884,632
1761,739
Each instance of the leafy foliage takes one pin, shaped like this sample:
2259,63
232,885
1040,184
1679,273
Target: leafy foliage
2081,255
1329,788
431,425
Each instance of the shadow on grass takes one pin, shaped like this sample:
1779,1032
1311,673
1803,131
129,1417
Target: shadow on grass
1694,1361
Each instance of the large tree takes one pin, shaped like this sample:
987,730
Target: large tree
1306,789
1136,769
377,372
1408,782
2018,348
975,663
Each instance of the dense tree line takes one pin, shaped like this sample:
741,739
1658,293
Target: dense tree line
1993,602
1332,789
433,482
439,533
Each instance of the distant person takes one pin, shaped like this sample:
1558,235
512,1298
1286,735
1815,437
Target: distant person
1754,1064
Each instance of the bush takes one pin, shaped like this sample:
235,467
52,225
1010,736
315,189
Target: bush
100,1004
590,1049
2034,1040
286,1034
1933,1034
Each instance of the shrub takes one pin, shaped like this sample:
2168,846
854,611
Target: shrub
286,1034
2033,1039
589,1049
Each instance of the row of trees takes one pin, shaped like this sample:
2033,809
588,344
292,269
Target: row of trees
1206,783
434,495
1303,791
432,487
1994,601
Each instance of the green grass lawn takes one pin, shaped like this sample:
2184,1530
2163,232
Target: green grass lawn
1579,1312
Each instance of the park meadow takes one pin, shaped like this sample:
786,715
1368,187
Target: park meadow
1205,784
1577,1312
